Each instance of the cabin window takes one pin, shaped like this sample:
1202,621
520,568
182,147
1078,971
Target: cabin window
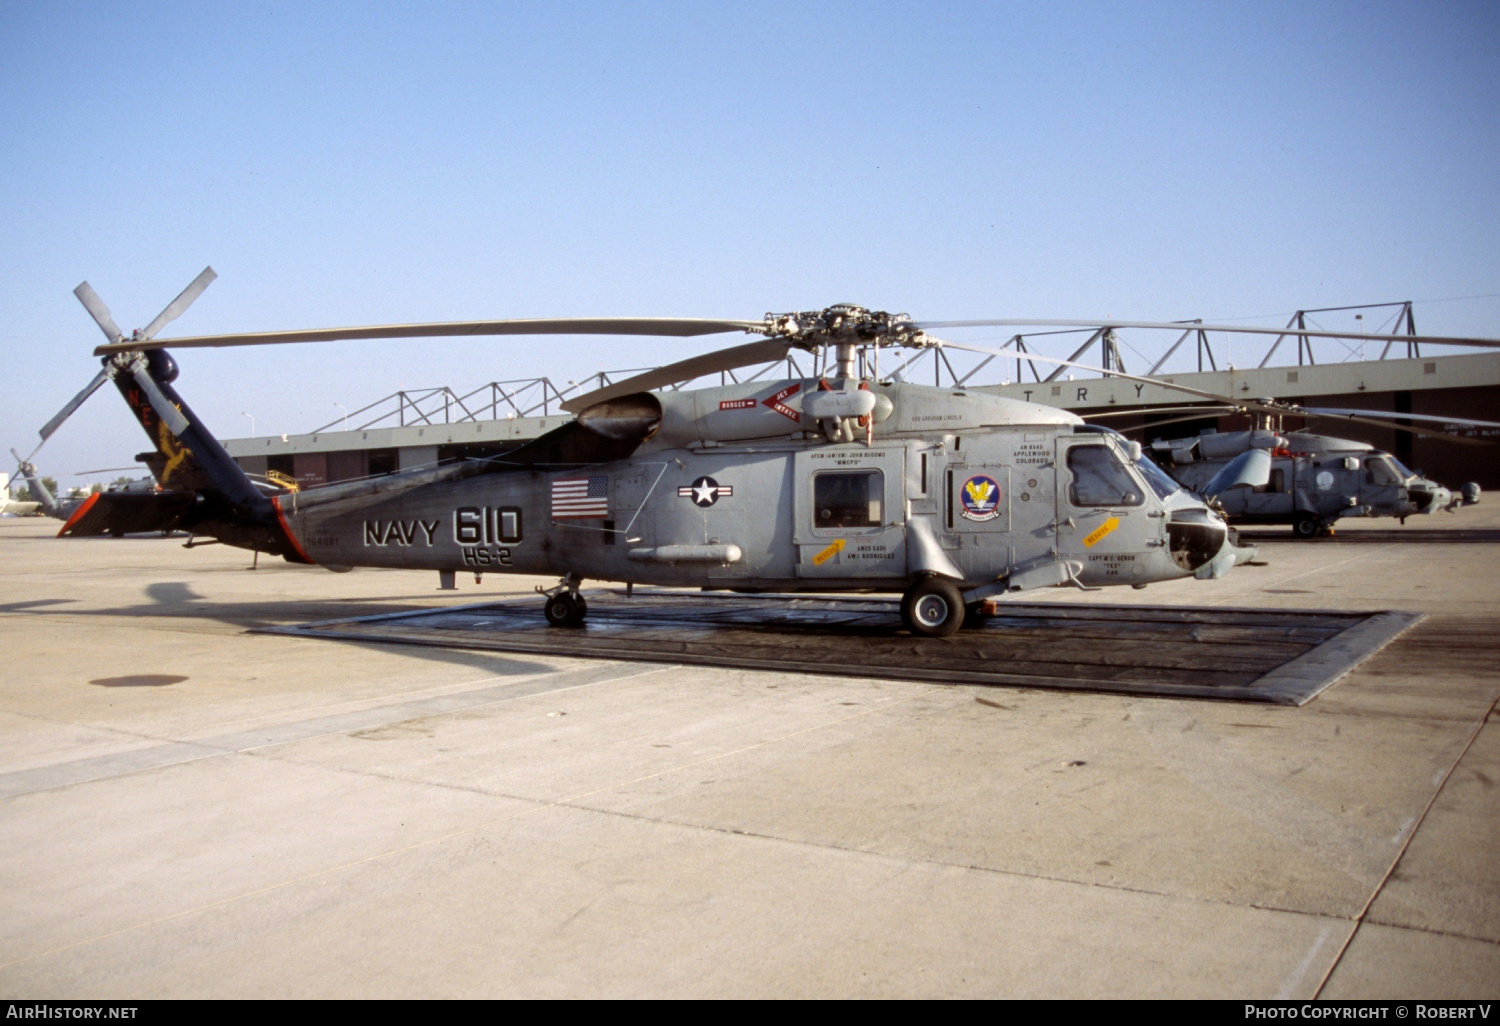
1100,479
848,499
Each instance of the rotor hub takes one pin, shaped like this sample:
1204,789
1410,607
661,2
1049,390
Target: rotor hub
844,324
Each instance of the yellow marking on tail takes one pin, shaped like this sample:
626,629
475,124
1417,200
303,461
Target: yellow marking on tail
171,448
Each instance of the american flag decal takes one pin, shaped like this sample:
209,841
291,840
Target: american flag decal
580,497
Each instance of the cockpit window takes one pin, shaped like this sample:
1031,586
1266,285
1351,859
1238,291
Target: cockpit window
1100,478
1401,468
1160,481
1378,471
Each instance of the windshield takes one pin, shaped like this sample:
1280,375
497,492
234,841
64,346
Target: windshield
1160,481
1400,468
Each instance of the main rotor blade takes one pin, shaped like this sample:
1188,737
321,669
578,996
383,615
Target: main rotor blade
182,302
678,327
1242,404
1205,410
73,404
1335,412
1480,343
96,308
1008,353
746,355
1155,424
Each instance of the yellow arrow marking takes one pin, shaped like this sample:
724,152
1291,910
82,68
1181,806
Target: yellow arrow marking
829,553
1098,533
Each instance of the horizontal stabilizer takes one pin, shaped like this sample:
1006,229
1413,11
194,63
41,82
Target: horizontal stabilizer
126,513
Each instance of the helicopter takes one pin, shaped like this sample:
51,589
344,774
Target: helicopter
834,482
14,507
121,495
1315,480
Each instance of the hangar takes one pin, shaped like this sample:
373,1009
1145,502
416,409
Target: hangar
412,428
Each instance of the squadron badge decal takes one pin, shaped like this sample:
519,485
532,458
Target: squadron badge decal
980,498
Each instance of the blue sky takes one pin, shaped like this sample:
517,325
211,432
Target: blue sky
371,163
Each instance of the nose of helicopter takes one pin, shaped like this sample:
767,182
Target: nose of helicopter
1202,543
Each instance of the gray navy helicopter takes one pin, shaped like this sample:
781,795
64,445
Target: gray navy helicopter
833,482
63,509
1313,480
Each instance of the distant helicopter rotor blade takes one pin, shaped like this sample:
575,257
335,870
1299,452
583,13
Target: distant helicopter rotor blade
176,307
1479,343
73,404
97,310
1326,411
676,327
1408,428
747,355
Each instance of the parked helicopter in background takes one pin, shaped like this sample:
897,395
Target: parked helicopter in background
833,482
121,495
1314,480
14,507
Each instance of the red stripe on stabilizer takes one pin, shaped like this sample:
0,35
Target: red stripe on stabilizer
78,514
286,529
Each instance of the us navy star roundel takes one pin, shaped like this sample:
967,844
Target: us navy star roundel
980,498
705,491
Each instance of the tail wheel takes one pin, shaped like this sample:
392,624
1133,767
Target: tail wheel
1306,526
566,610
933,608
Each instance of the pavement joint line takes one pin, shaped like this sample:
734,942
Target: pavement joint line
1432,800
207,748
540,807
369,705
1434,931
1284,580
970,866
270,717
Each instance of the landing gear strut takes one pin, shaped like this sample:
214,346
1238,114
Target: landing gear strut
565,607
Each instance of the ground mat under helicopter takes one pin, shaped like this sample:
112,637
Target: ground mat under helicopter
1284,657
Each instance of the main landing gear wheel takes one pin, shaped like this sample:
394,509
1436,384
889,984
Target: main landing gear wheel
1306,526
566,610
933,608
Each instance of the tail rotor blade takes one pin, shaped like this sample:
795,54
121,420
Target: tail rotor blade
176,307
73,404
96,308
169,414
